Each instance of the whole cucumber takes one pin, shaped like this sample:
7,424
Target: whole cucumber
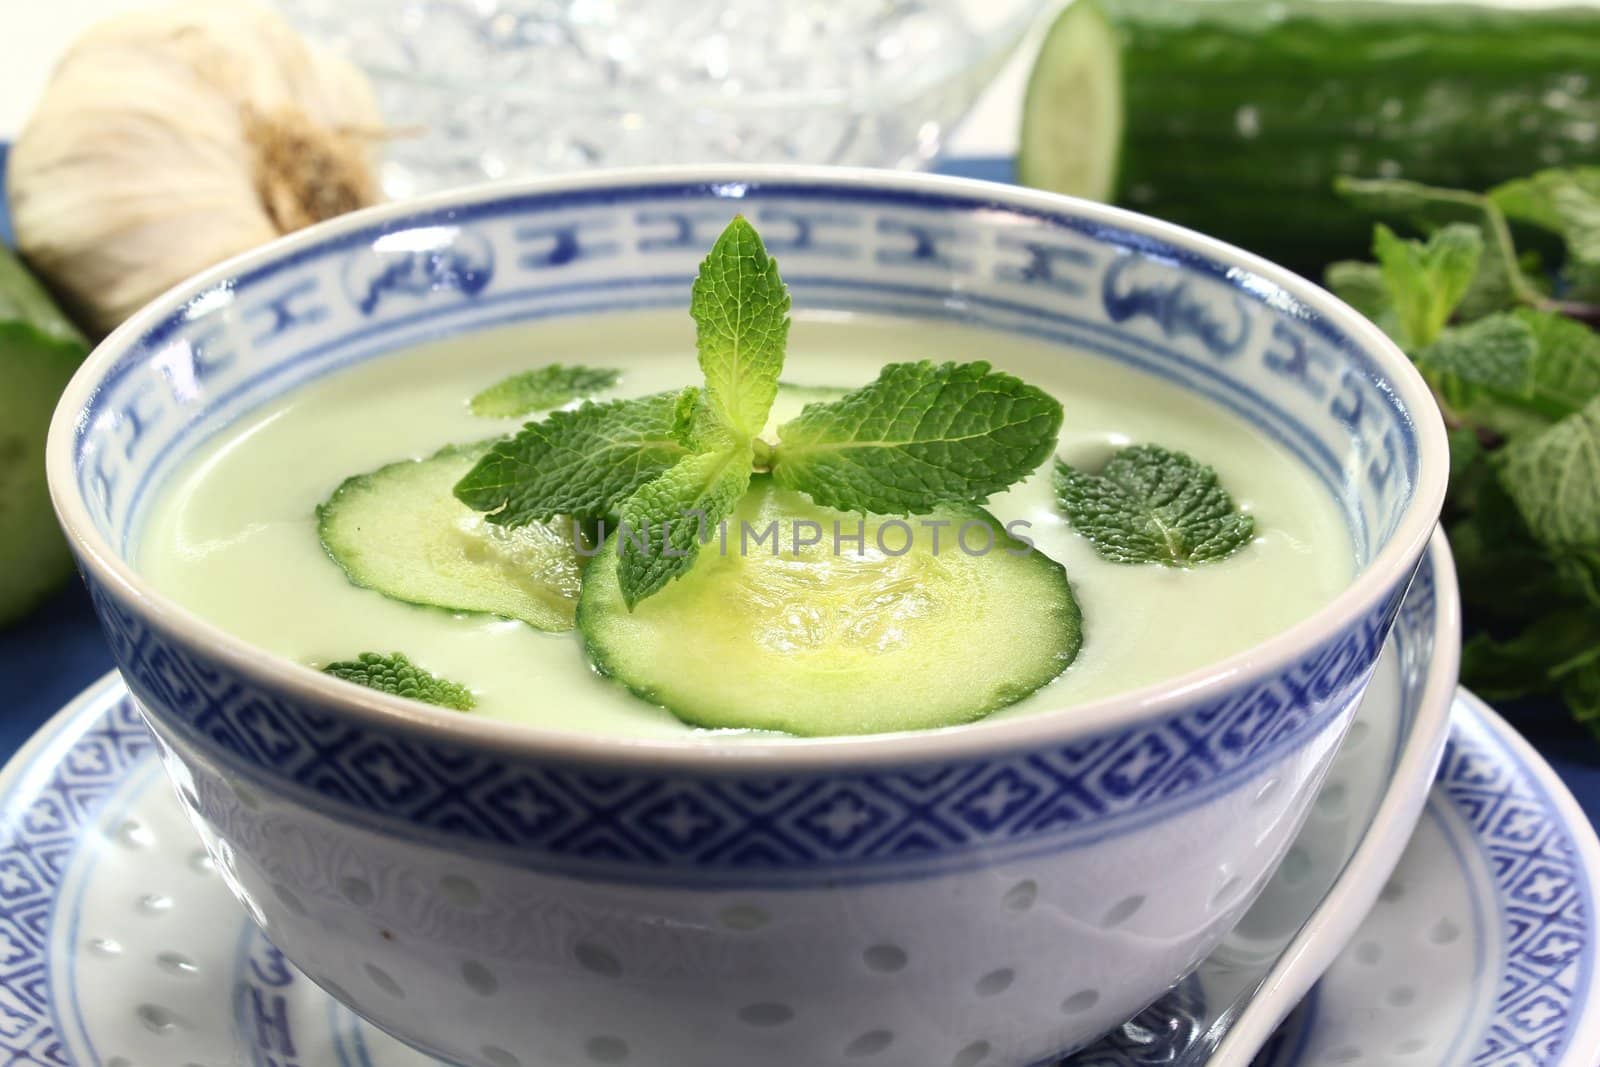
1234,116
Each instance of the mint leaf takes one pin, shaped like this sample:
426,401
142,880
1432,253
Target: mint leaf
1553,476
1564,202
671,515
1362,286
540,390
1502,568
1558,652
583,462
1153,505
1566,371
1481,371
1501,279
395,674
1466,452
741,315
1580,690
1514,372
1554,647
1495,353
921,435
1426,280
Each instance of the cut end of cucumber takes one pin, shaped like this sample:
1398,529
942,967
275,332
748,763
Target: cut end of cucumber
827,640
400,531
1072,113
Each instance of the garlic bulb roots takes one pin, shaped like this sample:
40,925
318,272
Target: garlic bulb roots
172,138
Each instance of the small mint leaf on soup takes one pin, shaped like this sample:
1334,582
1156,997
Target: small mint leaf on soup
1552,477
1153,505
664,521
740,309
920,435
1427,280
582,462
395,674
540,390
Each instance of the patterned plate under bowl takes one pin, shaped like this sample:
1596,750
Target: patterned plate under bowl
1482,947
120,947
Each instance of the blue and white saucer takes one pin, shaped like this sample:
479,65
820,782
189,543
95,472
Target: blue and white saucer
1482,947
121,947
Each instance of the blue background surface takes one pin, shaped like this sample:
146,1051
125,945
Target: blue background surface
51,656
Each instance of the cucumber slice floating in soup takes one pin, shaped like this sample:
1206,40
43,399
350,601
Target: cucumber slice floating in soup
824,642
400,530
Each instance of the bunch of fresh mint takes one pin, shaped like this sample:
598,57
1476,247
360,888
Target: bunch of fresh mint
673,465
1496,306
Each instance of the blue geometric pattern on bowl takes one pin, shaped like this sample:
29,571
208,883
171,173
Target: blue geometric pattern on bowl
853,825
1221,331
1542,892
102,758
1217,329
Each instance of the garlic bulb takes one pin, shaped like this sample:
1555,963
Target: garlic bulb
170,139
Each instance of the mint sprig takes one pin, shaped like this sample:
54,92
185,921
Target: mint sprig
1515,364
672,467
1427,279
393,673
1553,476
540,389
1153,505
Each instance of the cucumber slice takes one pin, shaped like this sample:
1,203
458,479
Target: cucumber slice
39,350
400,531
821,643
1072,109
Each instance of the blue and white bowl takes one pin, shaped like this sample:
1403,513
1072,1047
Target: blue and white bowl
988,894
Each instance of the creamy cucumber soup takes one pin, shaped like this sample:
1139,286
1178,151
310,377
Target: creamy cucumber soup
1115,559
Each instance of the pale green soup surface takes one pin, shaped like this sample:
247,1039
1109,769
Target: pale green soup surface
233,534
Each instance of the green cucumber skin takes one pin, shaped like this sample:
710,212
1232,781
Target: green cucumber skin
1458,96
39,350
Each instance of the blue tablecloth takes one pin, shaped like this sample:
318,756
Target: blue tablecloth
49,657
